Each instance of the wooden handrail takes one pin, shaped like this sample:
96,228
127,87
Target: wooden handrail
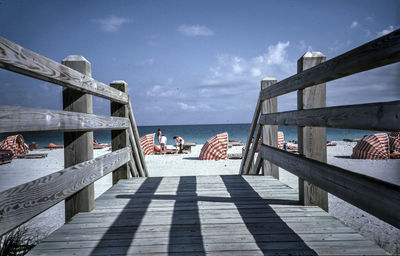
24,120
382,116
377,197
21,203
18,59
377,53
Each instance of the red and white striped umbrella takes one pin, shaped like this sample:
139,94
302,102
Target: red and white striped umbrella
216,148
10,143
281,140
394,141
147,143
375,146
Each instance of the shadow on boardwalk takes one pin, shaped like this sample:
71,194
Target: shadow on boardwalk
189,236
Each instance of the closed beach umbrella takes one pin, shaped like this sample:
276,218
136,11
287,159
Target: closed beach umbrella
147,143
281,140
216,148
10,143
374,146
394,141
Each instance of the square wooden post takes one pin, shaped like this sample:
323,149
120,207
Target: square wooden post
120,138
78,146
312,140
269,132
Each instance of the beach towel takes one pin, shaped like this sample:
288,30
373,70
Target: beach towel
216,148
10,143
375,146
147,143
394,141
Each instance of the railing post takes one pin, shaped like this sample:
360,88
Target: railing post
312,140
78,146
120,138
269,132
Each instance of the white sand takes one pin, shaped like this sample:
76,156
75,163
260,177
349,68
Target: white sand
23,170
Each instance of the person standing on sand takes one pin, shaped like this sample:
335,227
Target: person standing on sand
179,143
163,143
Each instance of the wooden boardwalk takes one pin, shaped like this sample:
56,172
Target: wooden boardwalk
204,215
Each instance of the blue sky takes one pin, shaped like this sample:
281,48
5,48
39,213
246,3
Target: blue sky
195,62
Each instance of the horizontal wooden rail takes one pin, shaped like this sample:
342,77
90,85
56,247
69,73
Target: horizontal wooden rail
382,51
23,120
18,59
377,197
21,203
383,116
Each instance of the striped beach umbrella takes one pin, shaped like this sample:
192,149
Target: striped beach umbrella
375,146
147,143
216,148
10,143
394,141
281,140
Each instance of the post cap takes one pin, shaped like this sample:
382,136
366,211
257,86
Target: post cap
268,79
313,55
75,58
119,82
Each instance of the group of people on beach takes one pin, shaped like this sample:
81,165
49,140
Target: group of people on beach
162,141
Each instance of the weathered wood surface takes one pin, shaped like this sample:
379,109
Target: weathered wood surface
120,138
250,137
382,51
21,203
269,132
139,152
18,59
24,120
382,116
78,146
312,140
250,156
187,216
377,197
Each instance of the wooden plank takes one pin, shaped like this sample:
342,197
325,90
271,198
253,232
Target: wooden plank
269,132
120,138
136,138
257,167
377,197
250,140
18,59
24,120
136,154
377,53
381,116
312,140
21,203
78,146
250,157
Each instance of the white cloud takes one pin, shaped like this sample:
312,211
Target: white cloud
385,31
354,25
145,62
199,107
277,53
111,23
195,30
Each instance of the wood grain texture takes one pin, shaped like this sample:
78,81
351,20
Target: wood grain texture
250,137
312,140
382,116
24,120
382,51
21,203
136,138
120,138
173,216
269,132
250,157
18,59
377,197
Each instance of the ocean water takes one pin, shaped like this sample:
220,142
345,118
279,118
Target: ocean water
194,133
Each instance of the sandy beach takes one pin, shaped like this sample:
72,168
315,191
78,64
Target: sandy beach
388,237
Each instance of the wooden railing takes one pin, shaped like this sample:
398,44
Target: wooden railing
316,177
75,183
